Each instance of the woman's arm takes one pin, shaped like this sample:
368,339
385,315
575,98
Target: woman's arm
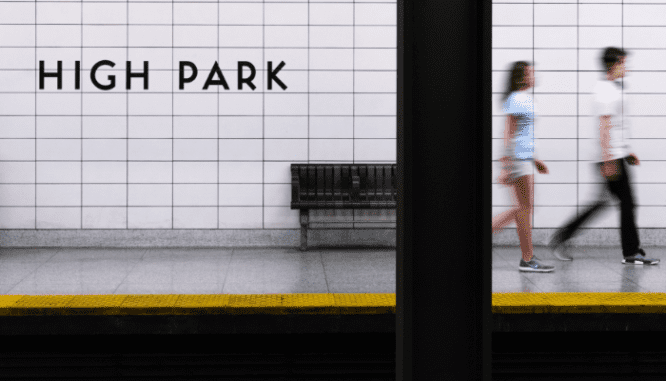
509,131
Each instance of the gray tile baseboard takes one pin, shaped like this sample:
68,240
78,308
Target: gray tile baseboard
196,238
585,237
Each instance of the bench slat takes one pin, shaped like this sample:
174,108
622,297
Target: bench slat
341,186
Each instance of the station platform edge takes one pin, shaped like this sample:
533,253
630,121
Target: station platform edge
198,304
579,303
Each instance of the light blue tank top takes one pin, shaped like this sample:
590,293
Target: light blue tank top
520,104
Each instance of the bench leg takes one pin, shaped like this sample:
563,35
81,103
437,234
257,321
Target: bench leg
304,229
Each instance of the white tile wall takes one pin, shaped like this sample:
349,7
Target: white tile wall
166,158
565,39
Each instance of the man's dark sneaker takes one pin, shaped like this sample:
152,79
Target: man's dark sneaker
534,266
560,249
639,259
561,252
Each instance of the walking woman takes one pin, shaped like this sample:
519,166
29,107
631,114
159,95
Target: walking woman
518,160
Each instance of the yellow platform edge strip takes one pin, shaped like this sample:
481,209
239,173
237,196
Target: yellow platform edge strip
579,302
197,304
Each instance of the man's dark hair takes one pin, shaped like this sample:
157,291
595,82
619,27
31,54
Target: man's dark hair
611,56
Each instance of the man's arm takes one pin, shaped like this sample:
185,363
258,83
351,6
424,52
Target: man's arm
604,131
608,169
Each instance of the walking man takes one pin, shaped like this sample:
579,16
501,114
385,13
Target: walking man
613,159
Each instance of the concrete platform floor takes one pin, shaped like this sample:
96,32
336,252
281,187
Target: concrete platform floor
593,269
66,271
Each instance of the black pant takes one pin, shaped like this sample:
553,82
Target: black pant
621,188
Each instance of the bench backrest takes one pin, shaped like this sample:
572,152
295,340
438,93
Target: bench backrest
344,185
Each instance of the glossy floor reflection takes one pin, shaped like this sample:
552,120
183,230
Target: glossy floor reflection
196,271
593,269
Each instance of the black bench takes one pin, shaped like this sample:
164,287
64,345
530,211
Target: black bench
341,186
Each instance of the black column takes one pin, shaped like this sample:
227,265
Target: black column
443,264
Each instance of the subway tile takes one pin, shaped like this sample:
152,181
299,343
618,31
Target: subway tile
104,195
240,13
104,172
149,218
503,59
286,127
150,194
100,149
240,172
602,14
331,37
279,171
286,36
17,149
375,36
348,59
240,194
283,14
195,127
195,218
331,149
195,149
55,172
241,127
104,126
551,14
195,172
555,104
286,149
375,149
58,218
149,127
241,149
17,217
17,195
331,14
59,149
195,195
554,37
150,149
286,104
23,172
322,127
555,82
280,217
547,127
277,194
375,14
104,13
555,194
57,104
514,14
150,172
104,218
240,217
17,127
551,216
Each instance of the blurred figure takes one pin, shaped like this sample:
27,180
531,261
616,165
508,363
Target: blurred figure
615,151
518,160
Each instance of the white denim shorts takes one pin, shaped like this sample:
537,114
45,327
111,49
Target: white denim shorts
520,167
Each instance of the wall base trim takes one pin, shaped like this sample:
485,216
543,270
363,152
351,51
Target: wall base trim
197,238
585,237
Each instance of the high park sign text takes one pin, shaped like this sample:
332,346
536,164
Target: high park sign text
215,77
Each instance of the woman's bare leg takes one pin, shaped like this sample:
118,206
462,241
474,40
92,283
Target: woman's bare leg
503,219
524,189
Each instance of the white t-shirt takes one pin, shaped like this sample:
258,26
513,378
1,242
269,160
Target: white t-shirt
608,101
521,105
